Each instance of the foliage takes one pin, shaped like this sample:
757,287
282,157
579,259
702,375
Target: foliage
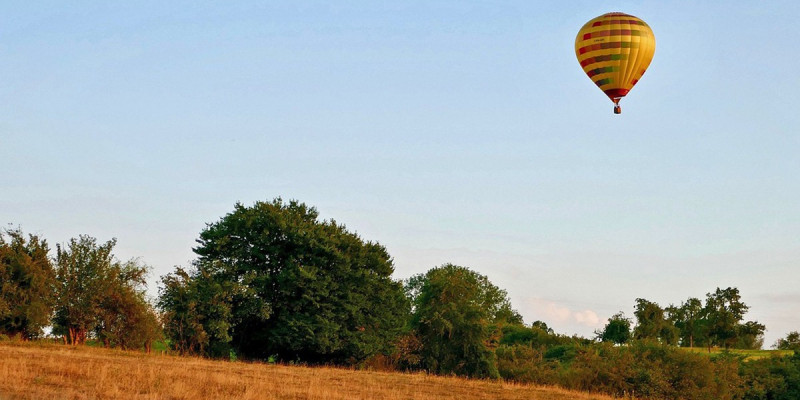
197,311
542,325
617,330
98,294
717,323
643,369
773,378
790,342
283,283
723,311
750,335
651,323
27,280
126,319
454,311
535,336
689,320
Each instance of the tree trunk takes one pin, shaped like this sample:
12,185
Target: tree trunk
72,336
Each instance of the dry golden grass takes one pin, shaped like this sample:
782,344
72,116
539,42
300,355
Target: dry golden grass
50,371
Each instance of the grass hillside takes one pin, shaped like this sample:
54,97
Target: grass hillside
43,370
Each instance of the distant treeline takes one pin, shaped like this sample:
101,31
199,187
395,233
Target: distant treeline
717,323
272,282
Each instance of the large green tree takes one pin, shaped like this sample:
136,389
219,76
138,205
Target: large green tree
27,283
454,311
280,282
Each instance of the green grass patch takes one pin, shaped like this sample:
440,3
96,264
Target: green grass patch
747,354
161,345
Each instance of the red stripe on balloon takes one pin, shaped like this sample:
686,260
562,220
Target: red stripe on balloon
613,32
617,22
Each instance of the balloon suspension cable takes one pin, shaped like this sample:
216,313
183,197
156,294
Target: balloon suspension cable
617,108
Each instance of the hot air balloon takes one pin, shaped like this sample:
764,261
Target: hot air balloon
614,50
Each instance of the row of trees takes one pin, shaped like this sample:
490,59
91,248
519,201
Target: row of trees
273,282
718,322
84,291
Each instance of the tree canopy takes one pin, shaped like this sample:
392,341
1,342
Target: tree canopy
617,330
453,311
27,282
790,342
274,280
97,294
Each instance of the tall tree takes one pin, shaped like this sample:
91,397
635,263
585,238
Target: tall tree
453,311
690,321
652,324
27,283
294,286
82,269
724,310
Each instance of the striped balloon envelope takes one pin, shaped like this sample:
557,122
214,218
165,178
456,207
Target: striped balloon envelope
614,50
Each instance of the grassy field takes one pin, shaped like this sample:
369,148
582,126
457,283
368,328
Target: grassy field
51,371
749,354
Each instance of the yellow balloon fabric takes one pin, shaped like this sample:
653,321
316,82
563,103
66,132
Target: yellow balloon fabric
614,50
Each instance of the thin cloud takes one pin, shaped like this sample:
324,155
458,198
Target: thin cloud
550,311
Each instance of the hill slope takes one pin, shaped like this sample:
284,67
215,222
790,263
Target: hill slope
37,370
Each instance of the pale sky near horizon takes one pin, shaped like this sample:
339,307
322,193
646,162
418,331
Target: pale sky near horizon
448,131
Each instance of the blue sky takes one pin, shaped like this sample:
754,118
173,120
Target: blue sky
449,131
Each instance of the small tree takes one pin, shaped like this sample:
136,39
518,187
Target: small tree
790,342
543,326
617,330
196,312
750,335
27,282
453,309
99,295
126,318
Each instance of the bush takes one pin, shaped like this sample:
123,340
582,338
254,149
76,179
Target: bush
774,378
643,369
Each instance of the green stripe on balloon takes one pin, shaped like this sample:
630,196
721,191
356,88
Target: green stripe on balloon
602,82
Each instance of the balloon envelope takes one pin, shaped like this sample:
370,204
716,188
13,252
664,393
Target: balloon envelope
614,50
